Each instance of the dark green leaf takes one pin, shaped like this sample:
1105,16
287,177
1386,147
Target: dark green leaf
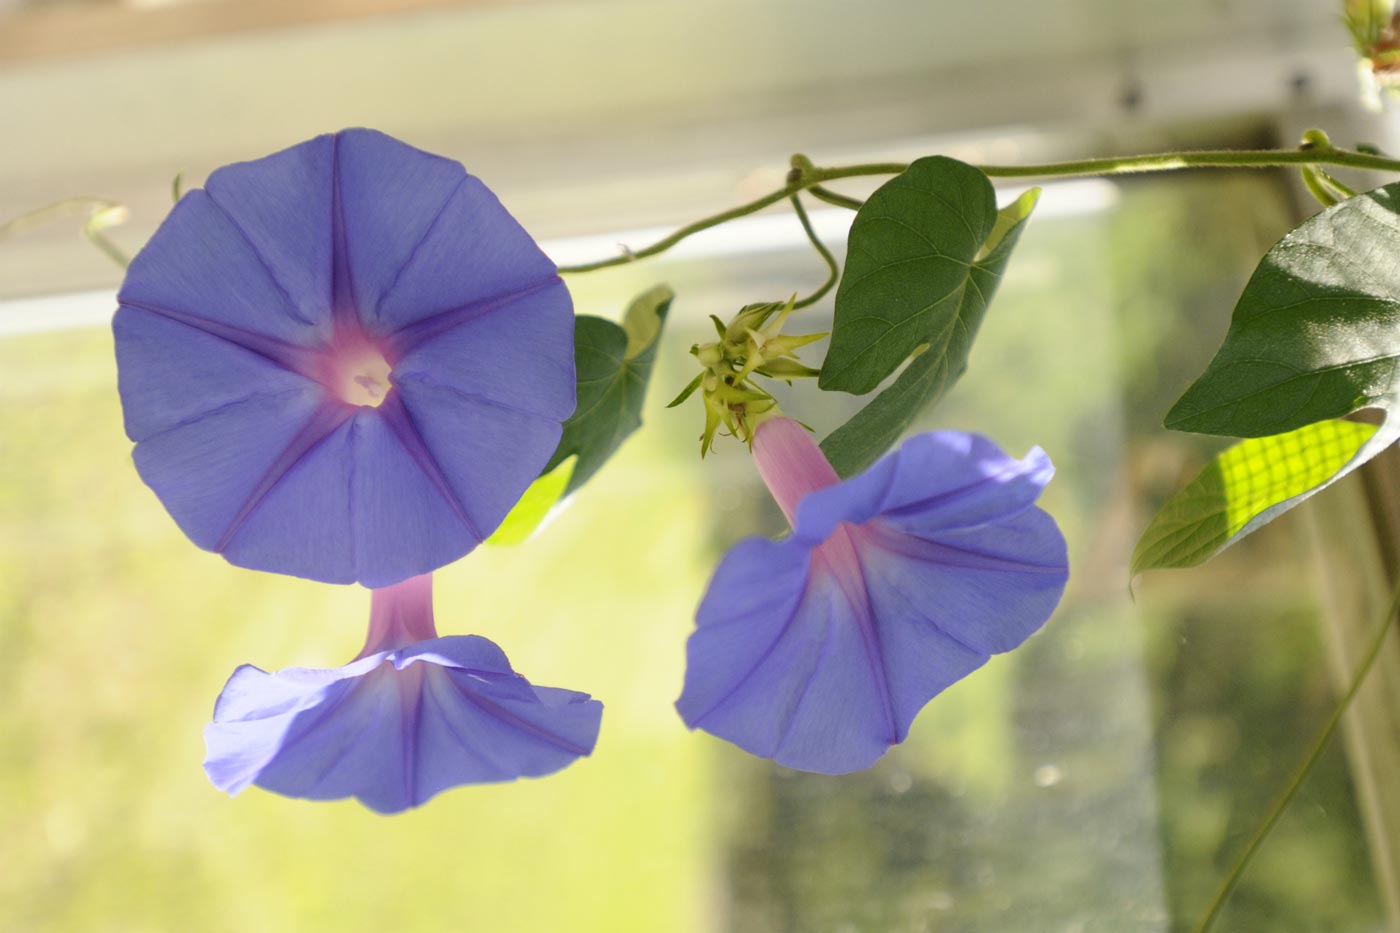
1316,333
939,359
1245,487
613,366
918,271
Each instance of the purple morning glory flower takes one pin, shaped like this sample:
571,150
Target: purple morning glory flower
819,650
410,717
344,361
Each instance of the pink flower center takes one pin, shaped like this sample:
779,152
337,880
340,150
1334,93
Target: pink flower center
362,377
355,369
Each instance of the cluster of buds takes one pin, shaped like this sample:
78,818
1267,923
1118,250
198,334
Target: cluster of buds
751,344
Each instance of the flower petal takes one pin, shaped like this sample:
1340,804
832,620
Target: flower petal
934,481
208,469
202,266
473,254
388,195
256,301
520,356
303,523
780,663
754,591
170,372
395,728
282,205
487,453
990,587
407,520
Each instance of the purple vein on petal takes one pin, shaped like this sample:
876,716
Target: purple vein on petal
413,253
262,260
290,357
763,657
363,727
324,421
410,337
478,750
846,568
920,612
401,424
515,722
952,495
411,715
791,718
423,378
230,405
342,278
955,555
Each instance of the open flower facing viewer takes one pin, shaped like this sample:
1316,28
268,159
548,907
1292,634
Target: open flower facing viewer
344,361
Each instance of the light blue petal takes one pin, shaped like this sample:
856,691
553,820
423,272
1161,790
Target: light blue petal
990,587
388,195
201,265
788,664
519,356
474,254
169,372
208,470
303,525
282,205
396,728
488,454
820,650
948,479
406,519
937,480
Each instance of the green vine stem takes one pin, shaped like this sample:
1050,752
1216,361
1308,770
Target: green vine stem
1280,804
101,214
806,176
832,267
835,198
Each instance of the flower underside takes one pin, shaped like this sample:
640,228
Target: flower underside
413,715
819,650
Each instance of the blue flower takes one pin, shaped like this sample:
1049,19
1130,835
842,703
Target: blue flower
344,361
410,717
818,650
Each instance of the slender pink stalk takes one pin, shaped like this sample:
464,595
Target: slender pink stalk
400,615
791,463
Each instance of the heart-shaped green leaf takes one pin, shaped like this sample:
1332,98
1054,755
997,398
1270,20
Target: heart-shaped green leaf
911,292
916,273
1316,333
613,366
